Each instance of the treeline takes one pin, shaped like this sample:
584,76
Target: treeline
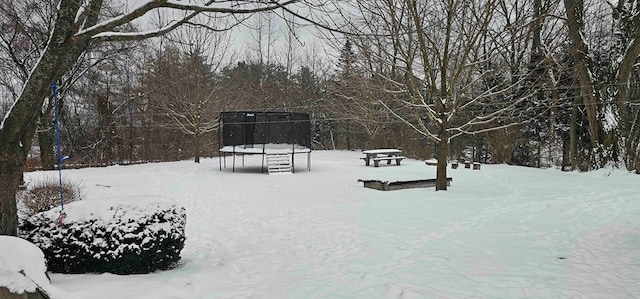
143,102
542,83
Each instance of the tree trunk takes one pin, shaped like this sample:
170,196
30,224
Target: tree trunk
9,180
348,137
442,155
46,138
573,138
196,147
565,156
580,55
633,143
45,143
552,121
628,121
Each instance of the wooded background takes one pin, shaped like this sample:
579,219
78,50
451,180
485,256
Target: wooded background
540,83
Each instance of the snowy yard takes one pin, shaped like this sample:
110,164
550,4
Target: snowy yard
502,232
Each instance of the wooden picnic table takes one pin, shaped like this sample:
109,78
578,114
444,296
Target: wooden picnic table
383,154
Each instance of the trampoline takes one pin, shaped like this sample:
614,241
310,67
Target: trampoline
264,133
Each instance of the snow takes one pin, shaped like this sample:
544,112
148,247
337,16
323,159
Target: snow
609,119
432,161
502,232
22,266
105,210
382,151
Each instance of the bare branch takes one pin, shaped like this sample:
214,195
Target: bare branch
105,31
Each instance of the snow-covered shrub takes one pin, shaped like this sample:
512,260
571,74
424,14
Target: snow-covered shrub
133,235
45,195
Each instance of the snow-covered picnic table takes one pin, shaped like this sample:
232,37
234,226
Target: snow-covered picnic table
384,154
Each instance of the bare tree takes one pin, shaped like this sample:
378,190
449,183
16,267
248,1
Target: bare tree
626,16
184,85
77,26
356,94
99,105
437,67
264,35
605,49
24,29
582,73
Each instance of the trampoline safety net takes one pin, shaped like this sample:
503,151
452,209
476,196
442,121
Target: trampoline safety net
248,128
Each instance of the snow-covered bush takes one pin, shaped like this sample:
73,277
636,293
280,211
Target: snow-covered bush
133,235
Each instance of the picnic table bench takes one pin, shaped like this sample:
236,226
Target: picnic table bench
385,154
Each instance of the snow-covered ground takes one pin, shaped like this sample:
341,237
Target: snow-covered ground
501,232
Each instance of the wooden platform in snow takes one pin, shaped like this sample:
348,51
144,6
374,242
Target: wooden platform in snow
398,185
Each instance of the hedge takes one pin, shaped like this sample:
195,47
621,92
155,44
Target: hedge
117,236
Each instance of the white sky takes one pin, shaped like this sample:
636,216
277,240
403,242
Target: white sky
243,37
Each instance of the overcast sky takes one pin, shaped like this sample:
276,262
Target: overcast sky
243,38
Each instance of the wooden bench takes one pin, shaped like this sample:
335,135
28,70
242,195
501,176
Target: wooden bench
377,160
